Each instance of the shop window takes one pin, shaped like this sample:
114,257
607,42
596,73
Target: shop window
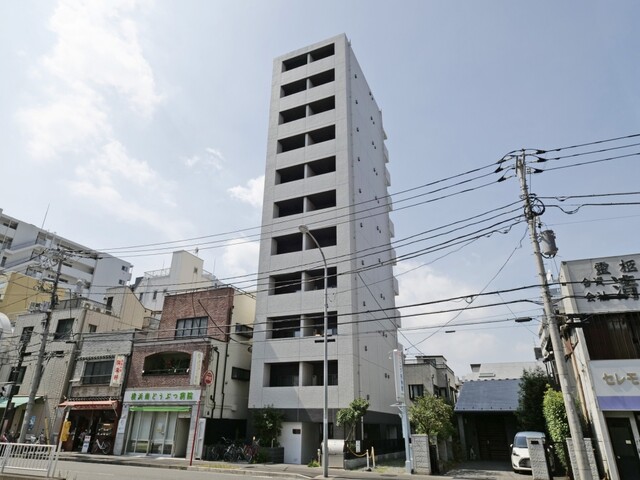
167,363
97,373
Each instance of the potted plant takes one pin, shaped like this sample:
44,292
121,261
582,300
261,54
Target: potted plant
267,424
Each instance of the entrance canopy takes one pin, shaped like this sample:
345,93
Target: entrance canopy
17,401
90,405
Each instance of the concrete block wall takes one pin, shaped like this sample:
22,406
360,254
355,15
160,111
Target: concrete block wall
421,457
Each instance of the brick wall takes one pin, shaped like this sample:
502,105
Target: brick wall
216,304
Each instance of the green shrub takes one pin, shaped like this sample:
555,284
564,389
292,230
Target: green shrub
555,416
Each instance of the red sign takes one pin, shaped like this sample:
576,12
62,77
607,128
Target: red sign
208,377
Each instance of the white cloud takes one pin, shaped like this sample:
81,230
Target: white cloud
97,53
149,197
97,44
251,194
65,124
211,159
483,342
240,258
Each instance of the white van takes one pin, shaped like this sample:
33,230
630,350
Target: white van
520,458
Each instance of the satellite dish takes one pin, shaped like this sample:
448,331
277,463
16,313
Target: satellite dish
5,325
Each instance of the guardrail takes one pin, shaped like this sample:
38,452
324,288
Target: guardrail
28,458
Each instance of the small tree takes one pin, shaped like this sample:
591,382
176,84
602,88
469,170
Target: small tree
432,416
267,423
350,416
557,423
532,389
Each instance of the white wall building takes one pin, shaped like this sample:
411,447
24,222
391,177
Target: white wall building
601,304
21,244
185,273
326,169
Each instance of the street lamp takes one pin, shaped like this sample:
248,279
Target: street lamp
325,378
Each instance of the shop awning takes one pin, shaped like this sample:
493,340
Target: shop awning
91,405
17,401
158,408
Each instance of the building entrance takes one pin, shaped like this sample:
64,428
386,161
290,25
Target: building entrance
155,433
624,448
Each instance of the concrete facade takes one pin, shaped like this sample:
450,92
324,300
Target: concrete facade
185,273
70,320
326,169
21,244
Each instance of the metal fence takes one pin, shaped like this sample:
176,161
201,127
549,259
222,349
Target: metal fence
28,458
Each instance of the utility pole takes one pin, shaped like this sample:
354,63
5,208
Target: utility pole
59,256
7,415
531,212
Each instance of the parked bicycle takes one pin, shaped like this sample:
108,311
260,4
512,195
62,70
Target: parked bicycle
251,450
103,446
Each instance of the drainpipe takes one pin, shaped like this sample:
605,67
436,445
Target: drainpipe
226,356
215,381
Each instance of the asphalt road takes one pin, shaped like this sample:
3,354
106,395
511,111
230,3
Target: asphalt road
94,471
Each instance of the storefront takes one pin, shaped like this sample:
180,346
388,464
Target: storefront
158,422
617,388
89,426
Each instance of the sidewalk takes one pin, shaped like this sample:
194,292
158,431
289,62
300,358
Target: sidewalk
270,470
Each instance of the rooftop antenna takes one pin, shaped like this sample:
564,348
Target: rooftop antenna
45,216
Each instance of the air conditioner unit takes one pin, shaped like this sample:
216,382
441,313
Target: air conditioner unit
35,307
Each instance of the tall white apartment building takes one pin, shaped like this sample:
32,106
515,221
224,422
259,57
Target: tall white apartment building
21,246
326,169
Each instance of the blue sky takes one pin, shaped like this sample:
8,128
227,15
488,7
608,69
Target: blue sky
136,122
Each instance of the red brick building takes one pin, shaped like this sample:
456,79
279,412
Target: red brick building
169,399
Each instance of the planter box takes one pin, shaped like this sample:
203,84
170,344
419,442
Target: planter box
273,454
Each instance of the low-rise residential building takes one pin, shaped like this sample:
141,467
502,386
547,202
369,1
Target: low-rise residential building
486,406
186,273
70,320
430,375
189,379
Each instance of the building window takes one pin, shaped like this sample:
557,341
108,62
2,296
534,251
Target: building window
97,373
240,374
25,336
284,375
155,295
17,375
167,363
93,328
416,391
191,327
64,329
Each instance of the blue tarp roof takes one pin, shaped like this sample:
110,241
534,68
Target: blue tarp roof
489,396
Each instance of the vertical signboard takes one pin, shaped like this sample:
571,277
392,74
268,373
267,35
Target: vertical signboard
196,368
117,374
